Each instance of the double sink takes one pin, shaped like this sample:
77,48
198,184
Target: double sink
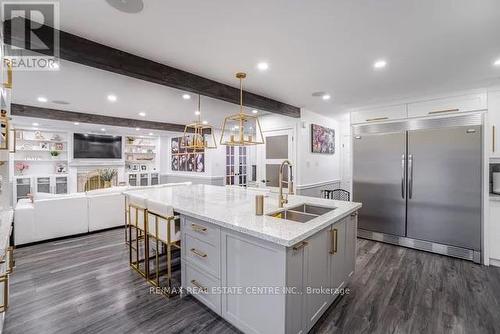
301,213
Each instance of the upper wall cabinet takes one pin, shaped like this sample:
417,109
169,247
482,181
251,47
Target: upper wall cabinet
379,114
456,104
493,124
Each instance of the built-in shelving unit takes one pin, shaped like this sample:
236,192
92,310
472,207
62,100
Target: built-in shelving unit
140,154
45,152
141,161
44,156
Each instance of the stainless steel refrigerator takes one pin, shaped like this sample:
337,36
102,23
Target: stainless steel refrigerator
420,183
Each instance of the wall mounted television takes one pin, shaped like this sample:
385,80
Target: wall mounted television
89,146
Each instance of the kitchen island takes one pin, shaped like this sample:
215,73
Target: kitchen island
263,274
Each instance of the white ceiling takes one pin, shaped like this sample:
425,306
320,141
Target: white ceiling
315,45
86,90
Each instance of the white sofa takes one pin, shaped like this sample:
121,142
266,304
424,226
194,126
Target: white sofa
55,216
106,208
48,218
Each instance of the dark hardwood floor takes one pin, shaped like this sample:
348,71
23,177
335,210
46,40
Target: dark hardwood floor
84,285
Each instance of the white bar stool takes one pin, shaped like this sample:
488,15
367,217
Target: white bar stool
137,232
163,235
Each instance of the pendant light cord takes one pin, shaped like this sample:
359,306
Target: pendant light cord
199,108
241,95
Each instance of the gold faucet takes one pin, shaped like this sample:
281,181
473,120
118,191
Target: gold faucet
284,199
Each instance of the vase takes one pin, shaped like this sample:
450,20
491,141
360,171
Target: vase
107,184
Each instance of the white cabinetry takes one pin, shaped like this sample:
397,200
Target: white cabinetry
494,233
51,184
379,114
493,124
434,107
260,286
456,104
201,261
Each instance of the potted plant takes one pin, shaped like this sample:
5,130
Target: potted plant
107,176
21,167
54,154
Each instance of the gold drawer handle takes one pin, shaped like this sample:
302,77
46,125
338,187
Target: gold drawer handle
11,260
199,286
443,111
198,228
334,241
5,280
197,252
8,84
299,246
377,119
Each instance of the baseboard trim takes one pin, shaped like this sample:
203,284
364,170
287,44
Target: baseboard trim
494,262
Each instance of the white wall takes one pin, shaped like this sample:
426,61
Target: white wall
214,159
314,169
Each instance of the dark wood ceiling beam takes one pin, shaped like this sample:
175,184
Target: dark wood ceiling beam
86,52
71,116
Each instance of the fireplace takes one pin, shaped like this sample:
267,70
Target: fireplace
91,180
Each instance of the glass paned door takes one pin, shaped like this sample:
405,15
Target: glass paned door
43,184
236,166
61,185
278,147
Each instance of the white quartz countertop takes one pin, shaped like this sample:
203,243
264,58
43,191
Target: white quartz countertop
6,217
234,208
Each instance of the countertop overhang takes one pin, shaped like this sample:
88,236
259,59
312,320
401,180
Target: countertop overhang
234,208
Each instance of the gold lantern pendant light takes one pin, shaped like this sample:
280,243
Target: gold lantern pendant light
241,129
198,135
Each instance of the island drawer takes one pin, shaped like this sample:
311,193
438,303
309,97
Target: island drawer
202,254
201,230
204,287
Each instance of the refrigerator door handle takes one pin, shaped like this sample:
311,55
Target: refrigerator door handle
410,181
403,165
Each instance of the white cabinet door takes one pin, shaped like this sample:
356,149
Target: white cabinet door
379,114
494,233
493,129
337,254
316,270
450,105
350,246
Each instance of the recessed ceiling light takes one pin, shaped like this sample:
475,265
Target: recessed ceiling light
142,114
186,96
197,113
103,129
204,122
35,124
137,129
262,66
379,64
326,97
76,123
255,111
497,62
127,6
151,134
42,99
112,98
